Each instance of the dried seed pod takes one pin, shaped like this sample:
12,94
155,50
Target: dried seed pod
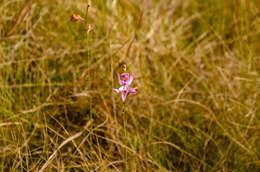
90,27
76,17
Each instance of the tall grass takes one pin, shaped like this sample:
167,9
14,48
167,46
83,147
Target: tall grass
196,64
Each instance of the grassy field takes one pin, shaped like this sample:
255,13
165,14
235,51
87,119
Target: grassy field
196,65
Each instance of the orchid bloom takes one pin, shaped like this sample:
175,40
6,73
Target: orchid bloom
125,83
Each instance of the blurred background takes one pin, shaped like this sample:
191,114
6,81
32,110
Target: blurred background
196,65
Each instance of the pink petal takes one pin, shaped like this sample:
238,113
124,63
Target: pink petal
124,94
116,90
130,79
131,91
119,80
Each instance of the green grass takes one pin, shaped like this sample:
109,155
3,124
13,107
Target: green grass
196,66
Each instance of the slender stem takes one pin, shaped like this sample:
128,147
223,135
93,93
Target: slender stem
87,12
89,77
89,80
89,84
125,134
112,74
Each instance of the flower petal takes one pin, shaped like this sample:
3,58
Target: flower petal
119,80
131,91
116,90
129,82
124,94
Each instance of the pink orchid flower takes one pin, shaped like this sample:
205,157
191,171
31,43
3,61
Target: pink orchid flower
125,83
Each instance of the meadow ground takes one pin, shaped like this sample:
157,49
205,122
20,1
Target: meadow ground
196,65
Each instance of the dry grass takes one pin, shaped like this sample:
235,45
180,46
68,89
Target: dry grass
196,64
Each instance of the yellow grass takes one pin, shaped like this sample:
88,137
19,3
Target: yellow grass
196,66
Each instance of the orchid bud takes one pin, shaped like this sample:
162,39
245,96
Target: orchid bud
124,67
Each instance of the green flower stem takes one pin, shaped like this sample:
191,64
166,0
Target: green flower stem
125,134
89,80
